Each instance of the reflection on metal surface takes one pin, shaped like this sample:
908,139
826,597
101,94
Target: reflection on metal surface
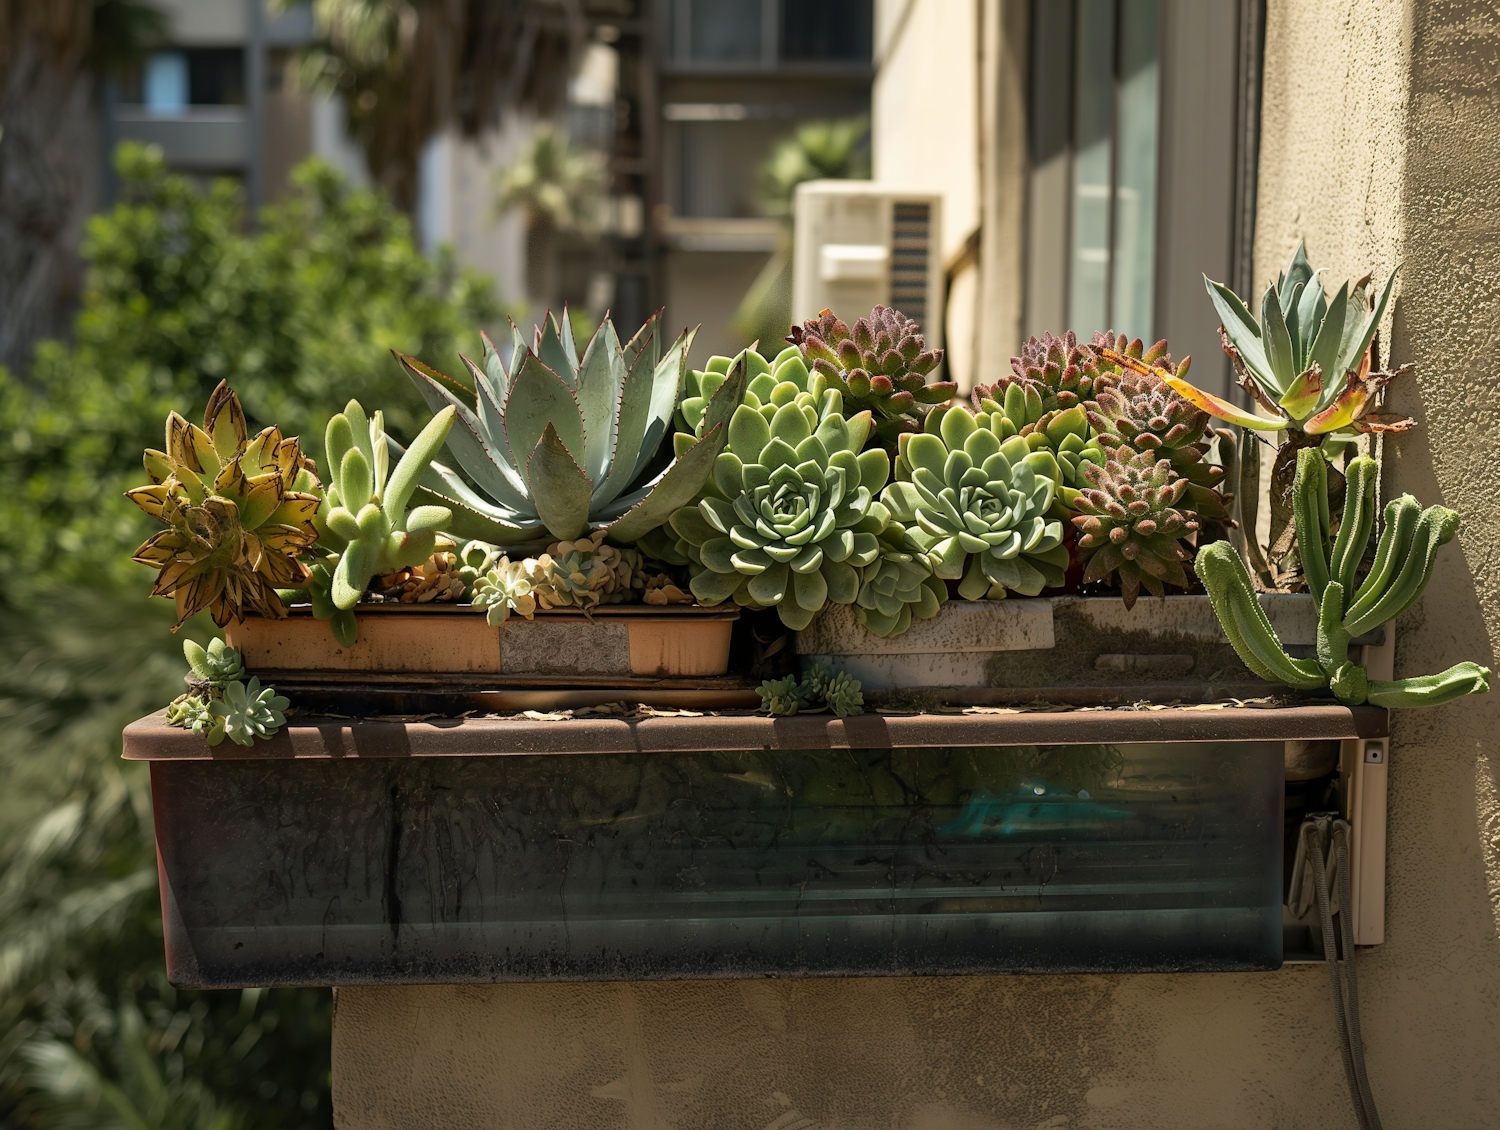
722,864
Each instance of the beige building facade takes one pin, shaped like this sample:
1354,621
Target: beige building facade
1379,127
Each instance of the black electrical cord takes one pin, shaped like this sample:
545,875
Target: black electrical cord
1345,988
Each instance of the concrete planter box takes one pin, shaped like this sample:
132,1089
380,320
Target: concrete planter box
1172,647
620,641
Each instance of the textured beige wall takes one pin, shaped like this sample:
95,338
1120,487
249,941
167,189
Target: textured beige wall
1382,125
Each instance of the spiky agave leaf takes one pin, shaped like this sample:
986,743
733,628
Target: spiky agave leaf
1301,355
556,444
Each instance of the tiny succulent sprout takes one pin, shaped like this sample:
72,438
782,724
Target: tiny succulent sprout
505,588
216,665
820,688
779,697
249,711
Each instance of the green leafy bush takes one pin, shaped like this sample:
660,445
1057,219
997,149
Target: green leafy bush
183,292
296,311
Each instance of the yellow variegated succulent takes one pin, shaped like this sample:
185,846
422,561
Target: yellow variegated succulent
239,513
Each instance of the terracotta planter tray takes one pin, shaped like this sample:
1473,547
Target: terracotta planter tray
619,640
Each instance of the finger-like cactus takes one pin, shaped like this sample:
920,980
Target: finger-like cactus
791,515
364,518
1402,567
880,365
1130,523
557,445
976,507
239,512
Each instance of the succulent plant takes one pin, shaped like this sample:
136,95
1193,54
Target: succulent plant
791,515
558,445
1347,608
191,712
365,518
216,664
249,712
574,574
895,589
239,512
839,691
976,507
1057,371
439,579
780,697
880,366
821,688
1138,409
1129,523
699,385
505,587
1306,361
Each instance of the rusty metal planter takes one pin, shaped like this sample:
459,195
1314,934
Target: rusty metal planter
498,849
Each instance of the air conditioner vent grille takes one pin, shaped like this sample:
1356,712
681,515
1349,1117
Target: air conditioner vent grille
911,236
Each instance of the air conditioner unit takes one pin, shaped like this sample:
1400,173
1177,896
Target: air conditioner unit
862,243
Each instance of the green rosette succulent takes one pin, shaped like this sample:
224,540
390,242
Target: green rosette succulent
216,664
895,589
785,380
879,365
505,588
790,516
249,712
1043,401
976,507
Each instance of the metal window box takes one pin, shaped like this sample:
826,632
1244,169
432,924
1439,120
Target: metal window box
378,852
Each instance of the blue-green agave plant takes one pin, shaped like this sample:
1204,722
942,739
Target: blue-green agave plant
557,445
789,517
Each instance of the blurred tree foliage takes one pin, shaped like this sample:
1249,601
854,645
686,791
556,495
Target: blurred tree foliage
298,313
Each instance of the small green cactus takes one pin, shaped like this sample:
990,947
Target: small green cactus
1403,565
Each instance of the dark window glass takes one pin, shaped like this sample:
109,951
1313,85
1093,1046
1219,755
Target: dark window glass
724,31
216,76
829,30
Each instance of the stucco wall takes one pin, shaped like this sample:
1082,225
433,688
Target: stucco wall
1382,122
